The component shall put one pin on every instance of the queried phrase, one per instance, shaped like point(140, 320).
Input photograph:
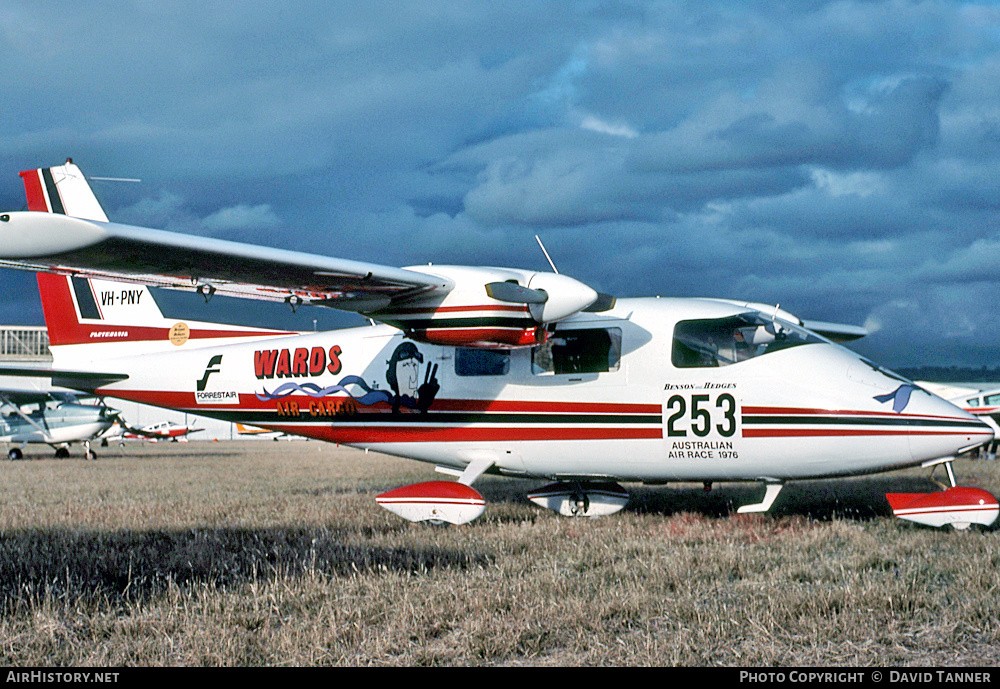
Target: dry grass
point(263, 553)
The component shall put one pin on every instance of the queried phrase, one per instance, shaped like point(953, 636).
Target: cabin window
point(593, 350)
point(481, 362)
point(974, 402)
point(991, 400)
point(713, 342)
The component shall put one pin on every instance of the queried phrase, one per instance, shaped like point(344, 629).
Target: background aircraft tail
point(62, 189)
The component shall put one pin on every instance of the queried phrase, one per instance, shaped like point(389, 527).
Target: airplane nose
point(941, 429)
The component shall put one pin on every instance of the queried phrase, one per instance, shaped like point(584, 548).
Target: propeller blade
point(514, 293)
point(605, 302)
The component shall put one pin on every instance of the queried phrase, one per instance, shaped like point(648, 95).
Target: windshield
point(713, 342)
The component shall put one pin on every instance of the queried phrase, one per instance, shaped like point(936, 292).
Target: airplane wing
point(20, 396)
point(65, 231)
point(61, 378)
point(55, 243)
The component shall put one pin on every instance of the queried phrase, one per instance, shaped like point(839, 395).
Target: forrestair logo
point(203, 396)
point(212, 367)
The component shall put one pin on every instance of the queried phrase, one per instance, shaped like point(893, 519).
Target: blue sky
point(839, 158)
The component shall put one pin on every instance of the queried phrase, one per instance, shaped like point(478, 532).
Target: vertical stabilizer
point(62, 189)
point(92, 320)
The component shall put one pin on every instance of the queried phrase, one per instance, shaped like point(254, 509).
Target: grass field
point(275, 553)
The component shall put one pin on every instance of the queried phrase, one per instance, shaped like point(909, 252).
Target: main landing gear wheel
point(581, 499)
point(15, 454)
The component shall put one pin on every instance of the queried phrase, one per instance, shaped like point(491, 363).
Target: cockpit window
point(713, 342)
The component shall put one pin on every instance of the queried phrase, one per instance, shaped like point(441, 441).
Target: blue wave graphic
point(370, 397)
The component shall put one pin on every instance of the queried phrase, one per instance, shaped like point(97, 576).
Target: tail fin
point(79, 311)
point(91, 320)
point(62, 189)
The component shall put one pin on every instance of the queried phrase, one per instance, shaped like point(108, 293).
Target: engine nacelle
point(490, 307)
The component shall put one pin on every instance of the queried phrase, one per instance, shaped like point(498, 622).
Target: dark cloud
point(838, 157)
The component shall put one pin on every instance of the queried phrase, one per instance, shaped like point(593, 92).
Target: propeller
point(512, 292)
point(605, 302)
point(550, 296)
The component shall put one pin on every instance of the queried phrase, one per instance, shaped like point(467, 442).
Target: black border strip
point(859, 421)
point(55, 201)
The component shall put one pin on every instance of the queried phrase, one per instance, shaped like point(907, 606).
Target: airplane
point(57, 420)
point(257, 432)
point(155, 432)
point(480, 370)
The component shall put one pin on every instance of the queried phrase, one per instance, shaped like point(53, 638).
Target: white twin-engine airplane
point(475, 370)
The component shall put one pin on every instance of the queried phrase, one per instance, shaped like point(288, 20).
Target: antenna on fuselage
point(547, 257)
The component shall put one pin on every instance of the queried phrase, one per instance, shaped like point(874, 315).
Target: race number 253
point(700, 415)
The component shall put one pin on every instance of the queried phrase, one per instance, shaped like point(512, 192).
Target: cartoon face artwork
point(407, 375)
point(403, 377)
point(404, 373)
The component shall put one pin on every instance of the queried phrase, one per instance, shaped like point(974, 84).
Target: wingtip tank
point(959, 506)
point(434, 502)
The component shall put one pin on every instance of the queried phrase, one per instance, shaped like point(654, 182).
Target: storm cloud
point(839, 158)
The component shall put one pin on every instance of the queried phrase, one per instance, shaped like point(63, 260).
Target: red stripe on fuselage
point(435, 434)
point(419, 428)
point(250, 402)
point(414, 311)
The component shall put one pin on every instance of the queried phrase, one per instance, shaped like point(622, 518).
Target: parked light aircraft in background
point(154, 432)
point(478, 369)
point(57, 420)
point(258, 432)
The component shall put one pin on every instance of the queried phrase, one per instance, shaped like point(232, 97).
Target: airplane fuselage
point(63, 424)
point(654, 390)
